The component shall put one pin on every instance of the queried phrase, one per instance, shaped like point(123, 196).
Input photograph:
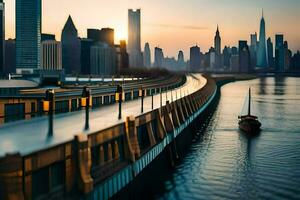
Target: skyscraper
point(147, 55)
point(10, 56)
point(70, 48)
point(180, 61)
point(134, 38)
point(218, 57)
point(218, 42)
point(262, 60)
point(85, 55)
point(2, 36)
point(279, 53)
point(51, 55)
point(253, 50)
point(158, 57)
point(195, 58)
point(270, 52)
point(244, 57)
point(28, 35)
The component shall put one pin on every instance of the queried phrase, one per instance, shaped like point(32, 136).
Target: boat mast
point(249, 103)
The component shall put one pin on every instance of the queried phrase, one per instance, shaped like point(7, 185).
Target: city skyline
point(279, 18)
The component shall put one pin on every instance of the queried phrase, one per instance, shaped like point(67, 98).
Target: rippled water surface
point(226, 164)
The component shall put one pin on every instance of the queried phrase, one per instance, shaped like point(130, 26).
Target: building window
point(14, 112)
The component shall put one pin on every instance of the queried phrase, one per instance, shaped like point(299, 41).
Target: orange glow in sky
point(173, 24)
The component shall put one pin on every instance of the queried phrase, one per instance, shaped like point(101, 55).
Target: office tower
point(28, 35)
point(10, 56)
point(170, 63)
point(226, 57)
point(234, 63)
point(124, 55)
point(244, 57)
point(103, 59)
point(85, 55)
point(107, 35)
point(234, 51)
point(158, 57)
point(296, 62)
point(262, 60)
point(147, 55)
point(2, 36)
point(70, 44)
point(217, 47)
point(47, 36)
point(279, 52)
point(287, 56)
point(134, 38)
point(270, 52)
point(195, 59)
point(253, 50)
point(180, 61)
point(218, 42)
point(94, 34)
point(51, 55)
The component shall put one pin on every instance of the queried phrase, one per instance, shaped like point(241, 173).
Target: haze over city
point(173, 24)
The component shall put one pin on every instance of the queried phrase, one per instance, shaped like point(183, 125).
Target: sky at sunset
point(173, 24)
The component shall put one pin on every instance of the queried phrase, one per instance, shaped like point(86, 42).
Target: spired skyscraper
point(218, 57)
point(70, 45)
point(262, 59)
point(134, 38)
point(147, 55)
point(28, 35)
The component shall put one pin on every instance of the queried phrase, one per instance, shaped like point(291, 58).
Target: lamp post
point(142, 94)
point(119, 98)
point(85, 102)
point(48, 107)
point(160, 94)
point(166, 94)
point(152, 98)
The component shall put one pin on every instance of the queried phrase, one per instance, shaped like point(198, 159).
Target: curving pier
point(100, 162)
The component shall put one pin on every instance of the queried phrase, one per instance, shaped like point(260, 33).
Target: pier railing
point(80, 165)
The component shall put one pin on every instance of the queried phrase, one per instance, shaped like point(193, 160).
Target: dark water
point(226, 164)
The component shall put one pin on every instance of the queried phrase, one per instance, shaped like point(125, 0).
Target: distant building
point(70, 48)
point(103, 60)
point(287, 56)
point(107, 35)
point(234, 51)
point(158, 57)
point(2, 36)
point(217, 47)
point(226, 57)
point(195, 58)
point(296, 62)
point(124, 55)
point(28, 35)
point(253, 50)
point(94, 35)
point(51, 55)
point(10, 56)
point(181, 65)
point(85, 55)
point(170, 63)
point(212, 60)
point(270, 52)
point(47, 36)
point(134, 38)
point(244, 57)
point(147, 55)
point(262, 59)
point(279, 53)
point(234, 63)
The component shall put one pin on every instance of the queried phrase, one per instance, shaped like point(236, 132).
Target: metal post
point(160, 98)
point(171, 95)
point(152, 99)
point(50, 131)
point(87, 114)
point(142, 106)
point(166, 94)
point(120, 107)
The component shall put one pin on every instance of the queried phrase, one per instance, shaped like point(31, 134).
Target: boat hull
point(250, 126)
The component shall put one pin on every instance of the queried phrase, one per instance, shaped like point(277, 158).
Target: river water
point(224, 163)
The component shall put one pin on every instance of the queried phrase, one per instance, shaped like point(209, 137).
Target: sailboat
point(249, 123)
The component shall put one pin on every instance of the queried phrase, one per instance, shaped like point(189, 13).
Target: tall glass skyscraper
point(262, 60)
point(2, 35)
point(134, 38)
point(28, 35)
